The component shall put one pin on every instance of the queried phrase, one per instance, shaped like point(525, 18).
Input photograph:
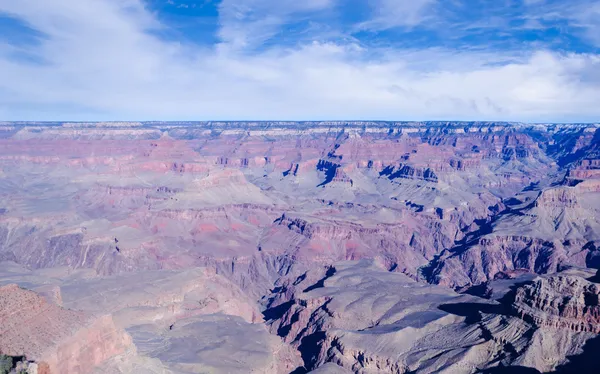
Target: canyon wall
point(196, 225)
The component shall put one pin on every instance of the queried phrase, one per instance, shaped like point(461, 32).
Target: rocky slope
point(367, 320)
point(164, 313)
point(542, 228)
point(173, 229)
point(58, 340)
point(560, 301)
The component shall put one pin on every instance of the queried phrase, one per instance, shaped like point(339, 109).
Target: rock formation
point(351, 239)
point(63, 341)
point(366, 320)
point(560, 301)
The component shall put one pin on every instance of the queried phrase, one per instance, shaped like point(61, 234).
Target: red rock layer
point(63, 341)
point(560, 301)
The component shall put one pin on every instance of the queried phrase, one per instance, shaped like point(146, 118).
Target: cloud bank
point(106, 60)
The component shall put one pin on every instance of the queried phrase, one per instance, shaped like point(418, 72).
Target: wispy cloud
point(250, 22)
point(586, 15)
point(389, 14)
point(102, 59)
point(577, 18)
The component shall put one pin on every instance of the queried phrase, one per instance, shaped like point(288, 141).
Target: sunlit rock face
point(60, 340)
point(560, 301)
point(167, 230)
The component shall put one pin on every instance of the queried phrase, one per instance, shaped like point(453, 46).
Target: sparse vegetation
point(13, 365)
point(6, 364)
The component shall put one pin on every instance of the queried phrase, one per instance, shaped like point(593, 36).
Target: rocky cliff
point(63, 341)
point(560, 301)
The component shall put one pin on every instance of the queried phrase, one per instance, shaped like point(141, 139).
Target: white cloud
point(582, 17)
point(101, 62)
point(586, 15)
point(250, 22)
point(388, 14)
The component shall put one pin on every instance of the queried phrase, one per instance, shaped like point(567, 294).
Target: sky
point(506, 60)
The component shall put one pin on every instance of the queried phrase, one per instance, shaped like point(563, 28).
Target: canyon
point(296, 247)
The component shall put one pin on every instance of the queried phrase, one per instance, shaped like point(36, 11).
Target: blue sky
point(518, 60)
